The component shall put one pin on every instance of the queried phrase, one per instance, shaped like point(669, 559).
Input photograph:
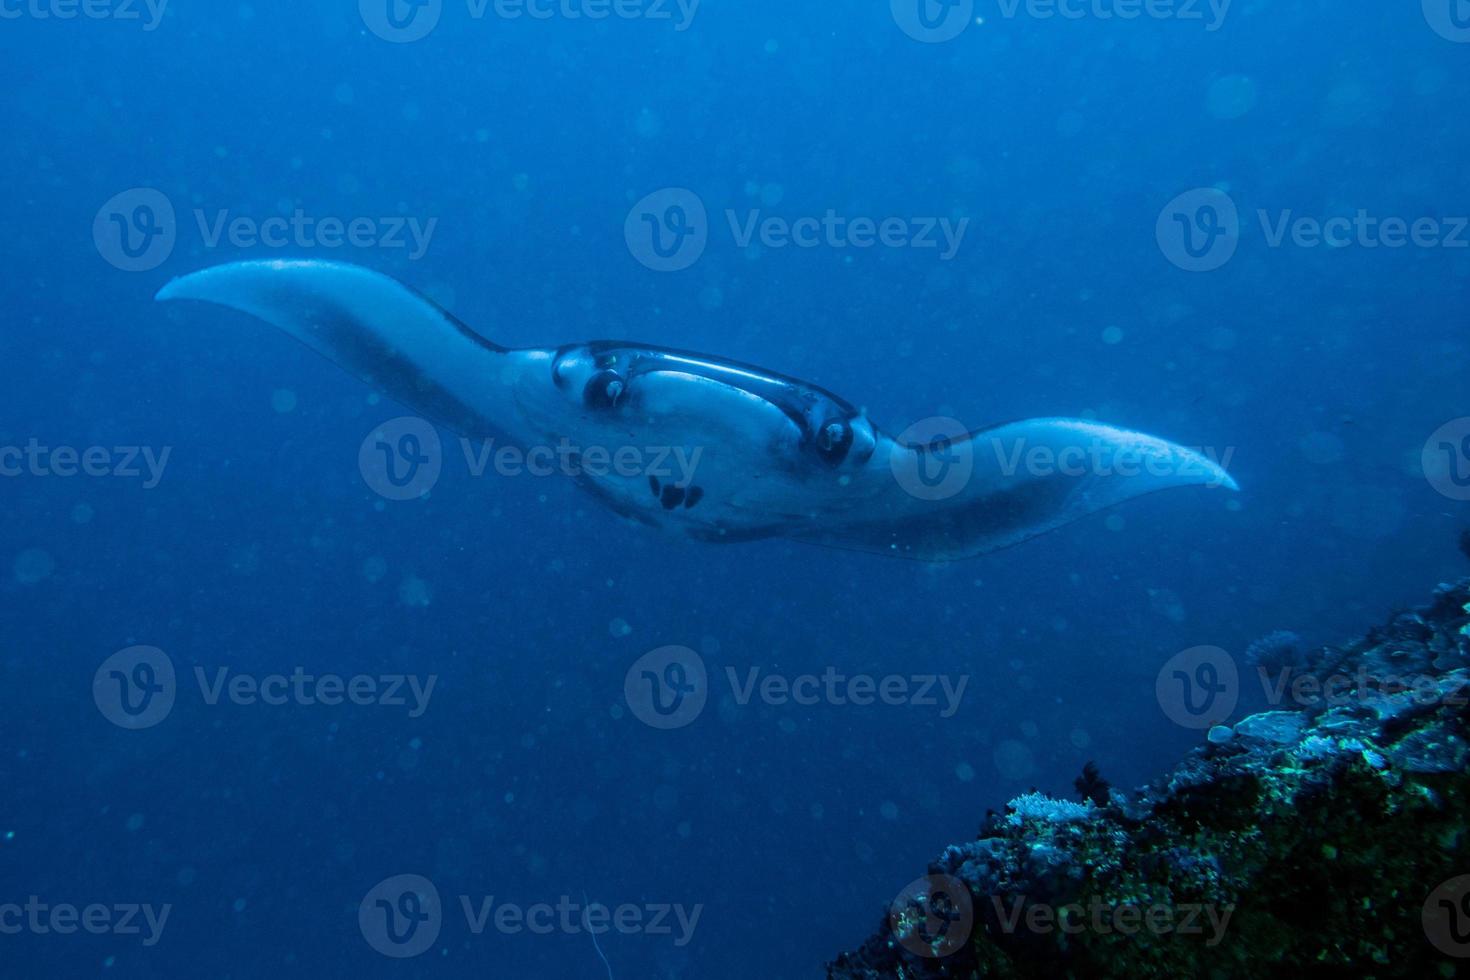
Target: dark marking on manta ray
point(671, 497)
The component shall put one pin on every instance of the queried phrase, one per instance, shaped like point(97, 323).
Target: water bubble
point(34, 565)
point(1232, 97)
point(82, 514)
point(964, 772)
point(1112, 335)
point(1014, 760)
point(414, 591)
point(619, 628)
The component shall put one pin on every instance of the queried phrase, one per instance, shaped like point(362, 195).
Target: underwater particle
point(283, 400)
point(684, 829)
point(964, 772)
point(619, 628)
point(186, 876)
point(787, 726)
point(1014, 760)
point(82, 514)
point(1232, 97)
point(482, 136)
point(1322, 448)
point(771, 46)
point(521, 181)
point(374, 569)
point(414, 591)
point(665, 797)
point(1070, 123)
point(1222, 339)
point(1115, 522)
point(648, 123)
point(1079, 738)
point(34, 565)
point(772, 195)
point(343, 94)
point(889, 810)
point(711, 298)
point(1112, 335)
point(239, 905)
point(135, 822)
point(1030, 729)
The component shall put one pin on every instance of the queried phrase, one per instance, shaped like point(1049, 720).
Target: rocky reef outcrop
point(1326, 839)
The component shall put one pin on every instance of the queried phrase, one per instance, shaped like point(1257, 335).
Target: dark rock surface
point(1324, 840)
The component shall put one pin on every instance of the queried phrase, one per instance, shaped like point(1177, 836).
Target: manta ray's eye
point(833, 440)
point(605, 390)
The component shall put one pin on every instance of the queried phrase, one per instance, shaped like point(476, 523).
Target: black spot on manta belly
point(671, 497)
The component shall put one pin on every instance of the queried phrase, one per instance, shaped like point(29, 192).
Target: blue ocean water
point(1131, 203)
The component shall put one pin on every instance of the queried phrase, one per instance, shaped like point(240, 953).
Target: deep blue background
point(1326, 370)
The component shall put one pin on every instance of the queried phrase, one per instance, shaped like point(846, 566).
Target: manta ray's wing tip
point(207, 284)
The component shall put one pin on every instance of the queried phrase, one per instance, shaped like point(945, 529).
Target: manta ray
point(777, 457)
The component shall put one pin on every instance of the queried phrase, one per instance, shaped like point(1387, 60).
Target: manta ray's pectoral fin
point(379, 330)
point(992, 489)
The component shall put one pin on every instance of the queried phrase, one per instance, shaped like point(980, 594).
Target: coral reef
point(1325, 840)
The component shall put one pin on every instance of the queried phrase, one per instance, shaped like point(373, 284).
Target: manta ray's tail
point(377, 328)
